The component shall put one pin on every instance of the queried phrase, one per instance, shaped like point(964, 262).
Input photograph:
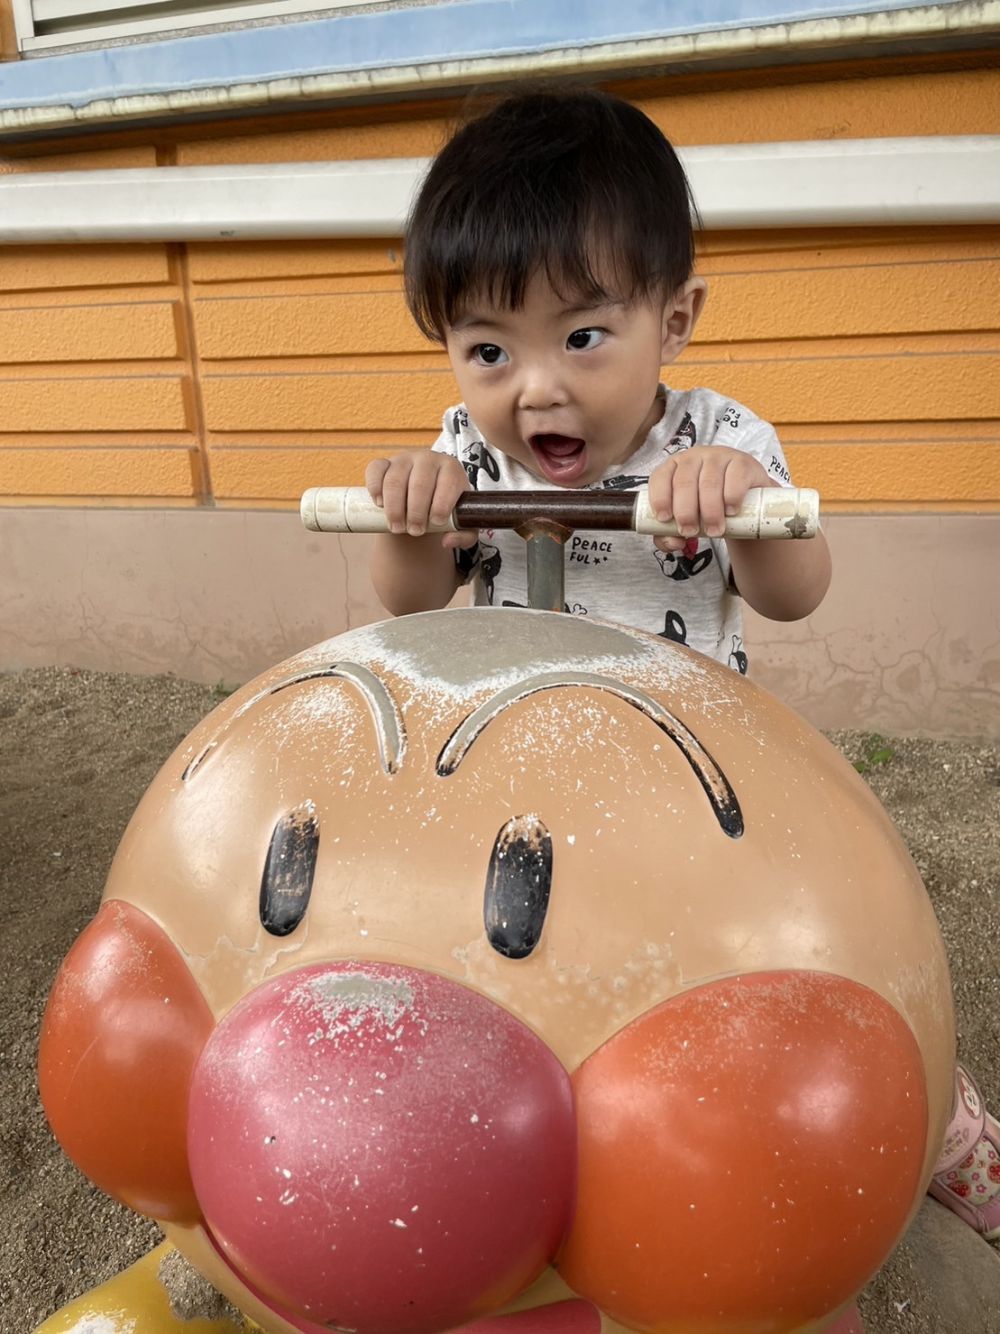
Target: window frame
point(34, 34)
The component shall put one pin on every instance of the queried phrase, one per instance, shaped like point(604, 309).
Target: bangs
point(496, 263)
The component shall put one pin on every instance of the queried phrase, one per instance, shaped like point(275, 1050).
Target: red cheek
point(749, 1153)
point(122, 1030)
point(380, 1149)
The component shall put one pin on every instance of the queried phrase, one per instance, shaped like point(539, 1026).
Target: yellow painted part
point(284, 473)
point(898, 473)
point(407, 131)
point(782, 248)
point(84, 159)
point(96, 472)
point(50, 269)
point(8, 38)
point(739, 107)
point(836, 302)
point(870, 388)
point(238, 374)
point(113, 332)
point(260, 260)
point(296, 326)
point(134, 1303)
point(777, 108)
point(128, 403)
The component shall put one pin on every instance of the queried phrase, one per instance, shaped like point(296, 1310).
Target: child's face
point(567, 388)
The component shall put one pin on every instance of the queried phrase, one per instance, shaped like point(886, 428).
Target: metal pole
point(546, 569)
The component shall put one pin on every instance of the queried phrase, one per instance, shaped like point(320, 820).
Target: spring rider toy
point(502, 971)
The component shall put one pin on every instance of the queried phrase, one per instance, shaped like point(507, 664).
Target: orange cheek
point(749, 1152)
point(122, 1031)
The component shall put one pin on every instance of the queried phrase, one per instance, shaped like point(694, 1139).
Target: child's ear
point(680, 315)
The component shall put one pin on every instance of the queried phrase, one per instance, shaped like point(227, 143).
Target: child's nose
point(542, 387)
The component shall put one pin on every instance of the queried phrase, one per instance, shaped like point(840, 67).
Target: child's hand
point(699, 488)
point(419, 486)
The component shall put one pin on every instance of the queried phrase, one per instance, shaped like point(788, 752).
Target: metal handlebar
point(766, 512)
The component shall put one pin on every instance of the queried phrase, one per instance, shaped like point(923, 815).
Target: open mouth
point(561, 458)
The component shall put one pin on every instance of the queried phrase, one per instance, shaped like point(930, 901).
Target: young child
point(550, 250)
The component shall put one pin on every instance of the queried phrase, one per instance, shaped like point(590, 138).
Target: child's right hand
point(418, 486)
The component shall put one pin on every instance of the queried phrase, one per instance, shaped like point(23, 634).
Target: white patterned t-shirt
point(621, 576)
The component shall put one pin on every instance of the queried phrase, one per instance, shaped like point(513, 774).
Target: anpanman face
point(493, 962)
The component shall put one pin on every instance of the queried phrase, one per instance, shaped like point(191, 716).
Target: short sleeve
point(449, 441)
point(739, 428)
point(454, 421)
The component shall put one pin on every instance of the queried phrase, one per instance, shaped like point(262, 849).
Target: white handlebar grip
point(349, 509)
point(766, 512)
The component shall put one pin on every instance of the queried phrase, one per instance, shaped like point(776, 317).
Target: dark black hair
point(579, 185)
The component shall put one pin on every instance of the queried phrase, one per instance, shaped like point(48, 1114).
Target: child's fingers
point(374, 474)
point(421, 484)
point(395, 492)
point(661, 488)
point(450, 483)
point(734, 490)
point(741, 475)
point(461, 539)
point(671, 544)
point(711, 496)
point(686, 495)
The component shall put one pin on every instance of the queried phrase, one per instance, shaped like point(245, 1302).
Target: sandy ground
point(78, 749)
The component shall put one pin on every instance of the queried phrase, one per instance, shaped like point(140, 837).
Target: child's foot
point(967, 1173)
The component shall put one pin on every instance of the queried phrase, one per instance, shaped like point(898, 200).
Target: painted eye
point(582, 340)
point(488, 354)
point(517, 886)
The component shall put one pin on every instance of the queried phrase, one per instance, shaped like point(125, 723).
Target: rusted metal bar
point(546, 567)
point(571, 509)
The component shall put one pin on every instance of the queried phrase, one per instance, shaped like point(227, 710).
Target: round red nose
point(381, 1150)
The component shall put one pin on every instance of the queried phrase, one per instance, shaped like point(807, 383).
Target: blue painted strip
point(460, 30)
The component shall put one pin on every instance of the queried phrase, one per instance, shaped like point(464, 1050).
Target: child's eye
point(488, 354)
point(580, 340)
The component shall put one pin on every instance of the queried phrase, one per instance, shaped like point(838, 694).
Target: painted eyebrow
point(384, 710)
point(714, 782)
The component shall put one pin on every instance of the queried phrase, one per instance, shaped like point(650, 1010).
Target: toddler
point(550, 250)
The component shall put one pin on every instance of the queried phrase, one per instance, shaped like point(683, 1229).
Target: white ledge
point(846, 183)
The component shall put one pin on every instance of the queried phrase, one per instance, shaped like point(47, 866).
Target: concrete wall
point(908, 639)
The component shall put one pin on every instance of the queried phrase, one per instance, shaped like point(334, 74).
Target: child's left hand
point(699, 488)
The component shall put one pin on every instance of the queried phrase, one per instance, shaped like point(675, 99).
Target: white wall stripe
point(845, 183)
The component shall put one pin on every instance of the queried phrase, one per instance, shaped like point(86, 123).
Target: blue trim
point(459, 30)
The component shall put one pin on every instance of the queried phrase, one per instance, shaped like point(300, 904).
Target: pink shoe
point(969, 1163)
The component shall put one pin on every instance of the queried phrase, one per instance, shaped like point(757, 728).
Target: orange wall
point(8, 38)
point(240, 374)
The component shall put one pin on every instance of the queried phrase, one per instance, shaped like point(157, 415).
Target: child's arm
point(412, 570)
point(781, 580)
